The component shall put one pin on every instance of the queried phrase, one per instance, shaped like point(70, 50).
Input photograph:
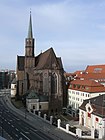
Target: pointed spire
point(30, 35)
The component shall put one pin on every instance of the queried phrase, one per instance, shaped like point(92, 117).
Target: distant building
point(80, 90)
point(93, 72)
point(92, 113)
point(6, 77)
point(43, 73)
point(13, 88)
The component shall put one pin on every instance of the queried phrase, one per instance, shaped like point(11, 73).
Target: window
point(54, 83)
point(77, 93)
point(83, 87)
point(97, 70)
point(33, 107)
point(87, 88)
point(97, 119)
point(73, 92)
point(69, 91)
point(89, 115)
point(78, 86)
point(74, 86)
point(73, 98)
point(39, 106)
point(69, 102)
point(70, 86)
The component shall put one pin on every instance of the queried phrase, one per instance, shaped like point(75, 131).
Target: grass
point(18, 104)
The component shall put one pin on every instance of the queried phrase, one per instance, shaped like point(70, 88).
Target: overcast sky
point(74, 28)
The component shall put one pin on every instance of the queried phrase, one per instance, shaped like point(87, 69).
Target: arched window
point(53, 83)
point(28, 82)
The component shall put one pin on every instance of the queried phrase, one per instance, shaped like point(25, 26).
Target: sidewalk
point(40, 124)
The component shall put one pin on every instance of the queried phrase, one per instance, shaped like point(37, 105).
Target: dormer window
point(78, 86)
point(74, 86)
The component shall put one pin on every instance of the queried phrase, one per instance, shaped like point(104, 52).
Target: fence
point(77, 132)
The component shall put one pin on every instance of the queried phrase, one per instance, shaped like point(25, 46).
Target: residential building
point(80, 90)
point(93, 72)
point(92, 113)
point(43, 73)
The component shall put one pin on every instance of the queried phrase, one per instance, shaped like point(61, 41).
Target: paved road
point(32, 128)
point(17, 128)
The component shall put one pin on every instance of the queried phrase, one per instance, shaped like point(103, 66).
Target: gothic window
point(54, 83)
point(28, 82)
point(22, 88)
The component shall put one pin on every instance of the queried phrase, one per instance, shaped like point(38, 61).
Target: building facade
point(42, 73)
point(80, 90)
point(36, 102)
point(6, 77)
point(13, 88)
point(92, 114)
point(92, 72)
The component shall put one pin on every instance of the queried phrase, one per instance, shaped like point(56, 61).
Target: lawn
point(17, 103)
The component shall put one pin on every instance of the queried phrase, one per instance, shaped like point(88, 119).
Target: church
point(43, 73)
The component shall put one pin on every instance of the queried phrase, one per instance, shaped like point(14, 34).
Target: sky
point(74, 28)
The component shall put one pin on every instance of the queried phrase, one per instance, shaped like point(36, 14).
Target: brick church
point(43, 73)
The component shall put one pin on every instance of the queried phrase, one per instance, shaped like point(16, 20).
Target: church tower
point(29, 47)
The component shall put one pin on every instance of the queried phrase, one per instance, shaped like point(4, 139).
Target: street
point(25, 126)
point(17, 128)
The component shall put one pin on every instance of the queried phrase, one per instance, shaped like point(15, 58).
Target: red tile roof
point(95, 69)
point(86, 86)
point(92, 76)
point(68, 74)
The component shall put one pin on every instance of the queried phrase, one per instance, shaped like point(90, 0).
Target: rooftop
point(90, 86)
point(97, 103)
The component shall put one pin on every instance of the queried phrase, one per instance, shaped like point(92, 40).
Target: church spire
point(30, 34)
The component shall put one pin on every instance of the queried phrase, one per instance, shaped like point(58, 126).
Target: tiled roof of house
point(98, 105)
point(92, 76)
point(86, 86)
point(78, 72)
point(95, 69)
